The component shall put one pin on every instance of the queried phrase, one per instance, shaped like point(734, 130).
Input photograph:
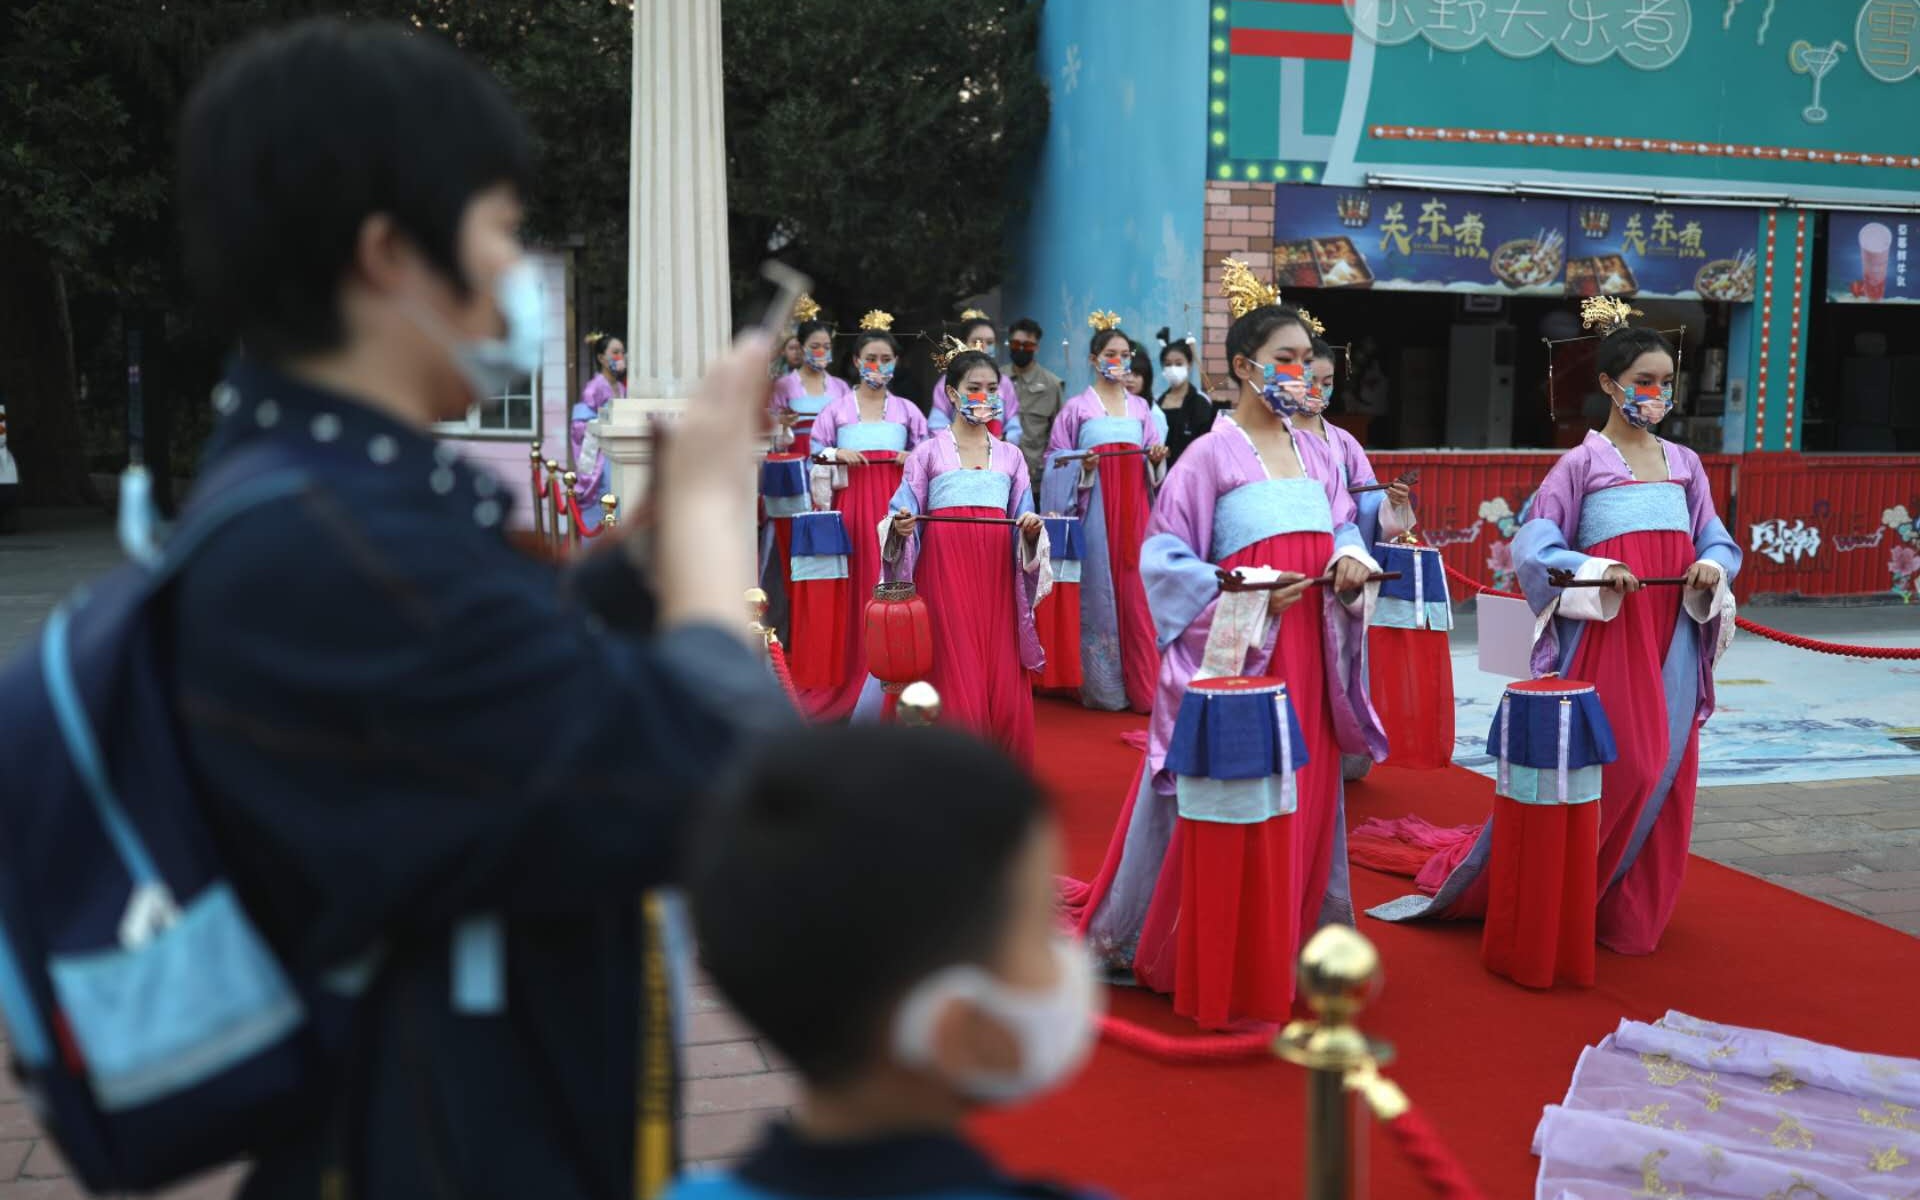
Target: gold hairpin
point(595, 336)
point(1606, 313)
point(876, 321)
point(1312, 322)
point(950, 350)
point(806, 308)
point(974, 314)
point(1103, 321)
point(1243, 291)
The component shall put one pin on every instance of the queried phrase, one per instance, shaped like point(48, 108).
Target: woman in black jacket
point(1188, 411)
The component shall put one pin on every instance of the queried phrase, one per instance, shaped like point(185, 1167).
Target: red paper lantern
point(899, 635)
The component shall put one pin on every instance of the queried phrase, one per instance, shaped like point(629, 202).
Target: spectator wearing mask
point(906, 958)
point(367, 677)
point(1187, 410)
point(1041, 392)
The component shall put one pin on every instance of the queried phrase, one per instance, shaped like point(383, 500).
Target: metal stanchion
point(919, 704)
point(610, 506)
point(539, 495)
point(1339, 975)
point(566, 511)
point(556, 536)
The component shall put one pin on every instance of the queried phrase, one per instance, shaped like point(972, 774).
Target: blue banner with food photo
point(1661, 251)
point(1394, 238)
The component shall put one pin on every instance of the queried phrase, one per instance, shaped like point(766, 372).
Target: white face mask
point(1054, 1029)
point(1175, 374)
point(491, 365)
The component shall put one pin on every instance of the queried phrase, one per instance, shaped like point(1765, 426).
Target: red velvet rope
point(573, 506)
point(1438, 1168)
point(1221, 1047)
point(777, 659)
point(1839, 649)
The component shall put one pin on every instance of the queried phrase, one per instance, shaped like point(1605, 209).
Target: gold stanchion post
point(566, 516)
point(610, 506)
point(1339, 975)
point(539, 506)
point(919, 704)
point(555, 535)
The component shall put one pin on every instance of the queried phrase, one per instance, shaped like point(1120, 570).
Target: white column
point(679, 307)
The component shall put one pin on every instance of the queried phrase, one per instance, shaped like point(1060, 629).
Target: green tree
point(881, 148)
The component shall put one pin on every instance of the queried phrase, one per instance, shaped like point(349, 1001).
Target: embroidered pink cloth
point(1686, 1107)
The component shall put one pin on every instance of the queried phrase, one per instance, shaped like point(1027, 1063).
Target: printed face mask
point(1284, 387)
point(1054, 1027)
point(1114, 370)
point(618, 365)
point(817, 359)
point(1319, 396)
point(979, 408)
point(1647, 405)
point(876, 375)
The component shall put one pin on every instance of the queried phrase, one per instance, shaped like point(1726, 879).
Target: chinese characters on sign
point(1649, 34)
point(1885, 32)
point(1662, 252)
point(1867, 259)
point(1392, 238)
point(1780, 540)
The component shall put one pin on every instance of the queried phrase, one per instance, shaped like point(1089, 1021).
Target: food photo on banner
point(1867, 258)
point(1661, 252)
point(1392, 238)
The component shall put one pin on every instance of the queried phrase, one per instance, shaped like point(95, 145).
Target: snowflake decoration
point(1070, 73)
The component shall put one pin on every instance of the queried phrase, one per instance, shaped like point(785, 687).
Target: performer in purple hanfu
point(1103, 460)
point(799, 397)
point(1622, 506)
point(608, 383)
point(981, 575)
point(1211, 905)
point(977, 333)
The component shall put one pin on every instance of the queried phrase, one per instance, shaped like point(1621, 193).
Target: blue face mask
point(877, 377)
point(1647, 406)
point(492, 365)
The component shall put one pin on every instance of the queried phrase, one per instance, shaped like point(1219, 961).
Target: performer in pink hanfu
point(981, 582)
point(1622, 506)
point(1212, 905)
point(799, 397)
point(860, 443)
point(1115, 456)
point(591, 478)
point(977, 333)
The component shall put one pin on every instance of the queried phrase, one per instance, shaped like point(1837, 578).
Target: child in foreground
point(891, 929)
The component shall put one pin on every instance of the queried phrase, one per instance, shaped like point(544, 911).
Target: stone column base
point(624, 423)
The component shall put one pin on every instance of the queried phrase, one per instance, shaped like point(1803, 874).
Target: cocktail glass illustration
point(1808, 59)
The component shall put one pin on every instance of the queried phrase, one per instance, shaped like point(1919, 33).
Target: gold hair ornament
point(806, 308)
point(595, 336)
point(1103, 321)
point(949, 350)
point(1242, 290)
point(876, 321)
point(974, 314)
point(1606, 313)
point(1312, 323)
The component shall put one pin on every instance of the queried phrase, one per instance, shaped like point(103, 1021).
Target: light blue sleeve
point(1179, 585)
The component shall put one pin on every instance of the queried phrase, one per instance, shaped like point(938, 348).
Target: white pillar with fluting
point(679, 307)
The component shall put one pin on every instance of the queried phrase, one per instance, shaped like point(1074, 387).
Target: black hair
point(1246, 335)
point(966, 361)
point(596, 346)
point(1182, 347)
point(1623, 347)
point(1102, 336)
point(1321, 348)
point(809, 328)
point(1026, 325)
point(297, 136)
point(866, 336)
point(1142, 366)
point(969, 324)
point(821, 895)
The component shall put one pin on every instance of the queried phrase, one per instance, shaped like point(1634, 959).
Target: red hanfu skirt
point(1541, 871)
point(1058, 620)
point(1410, 680)
point(862, 504)
point(1126, 506)
point(965, 574)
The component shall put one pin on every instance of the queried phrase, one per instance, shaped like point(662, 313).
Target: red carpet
point(1480, 1055)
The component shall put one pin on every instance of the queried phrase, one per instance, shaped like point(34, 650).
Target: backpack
point(154, 1031)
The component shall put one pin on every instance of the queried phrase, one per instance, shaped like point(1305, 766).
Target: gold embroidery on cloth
point(1714, 1100)
point(1651, 1185)
point(1663, 1071)
point(1651, 1115)
point(1799, 1190)
point(1789, 1134)
point(1782, 1082)
point(1722, 1052)
point(1888, 1160)
point(1895, 1117)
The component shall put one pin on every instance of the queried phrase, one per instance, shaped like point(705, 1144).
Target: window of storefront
point(1863, 353)
point(511, 413)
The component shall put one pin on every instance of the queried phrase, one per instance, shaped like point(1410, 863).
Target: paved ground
point(1851, 842)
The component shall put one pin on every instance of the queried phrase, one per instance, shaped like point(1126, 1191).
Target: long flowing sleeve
point(826, 427)
point(1033, 563)
point(1378, 519)
point(915, 421)
point(1545, 543)
point(1712, 608)
point(1176, 566)
point(897, 554)
point(1010, 409)
point(782, 403)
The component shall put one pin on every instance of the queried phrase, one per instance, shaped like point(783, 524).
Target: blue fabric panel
point(1111, 431)
point(970, 489)
point(1405, 614)
point(1534, 731)
point(209, 991)
point(814, 568)
point(783, 477)
point(1065, 539)
point(1634, 508)
point(1268, 508)
point(873, 435)
point(820, 533)
point(1533, 785)
point(1406, 559)
point(1235, 801)
point(1066, 570)
point(1233, 736)
point(810, 406)
point(788, 506)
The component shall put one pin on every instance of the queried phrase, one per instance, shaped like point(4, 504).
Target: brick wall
point(1239, 225)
